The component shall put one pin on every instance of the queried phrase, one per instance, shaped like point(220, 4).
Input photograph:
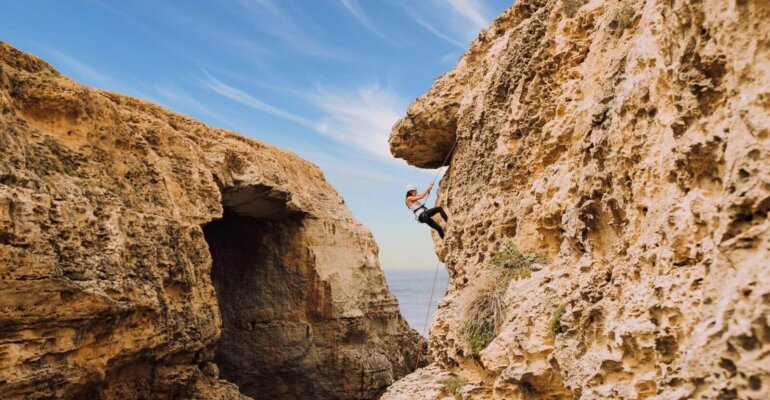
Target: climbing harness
point(438, 262)
point(418, 208)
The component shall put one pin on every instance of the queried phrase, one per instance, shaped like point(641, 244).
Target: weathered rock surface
point(628, 143)
point(108, 208)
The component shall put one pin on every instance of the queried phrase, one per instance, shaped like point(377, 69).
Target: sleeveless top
point(417, 208)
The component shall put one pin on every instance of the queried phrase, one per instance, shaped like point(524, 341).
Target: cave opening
point(263, 281)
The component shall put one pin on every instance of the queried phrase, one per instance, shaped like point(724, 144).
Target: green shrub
point(514, 264)
point(452, 384)
point(488, 311)
point(554, 324)
point(485, 319)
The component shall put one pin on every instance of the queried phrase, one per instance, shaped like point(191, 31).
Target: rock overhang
point(421, 143)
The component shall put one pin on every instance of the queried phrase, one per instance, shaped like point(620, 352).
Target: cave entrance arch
point(266, 288)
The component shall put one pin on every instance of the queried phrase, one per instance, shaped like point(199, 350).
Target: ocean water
point(412, 289)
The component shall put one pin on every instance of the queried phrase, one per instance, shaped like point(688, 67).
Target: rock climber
point(421, 213)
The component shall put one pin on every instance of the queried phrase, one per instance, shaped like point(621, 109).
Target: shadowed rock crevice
point(268, 295)
point(283, 335)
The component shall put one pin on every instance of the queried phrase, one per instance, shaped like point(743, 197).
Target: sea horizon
point(412, 288)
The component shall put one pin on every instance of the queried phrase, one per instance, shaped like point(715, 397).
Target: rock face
point(147, 255)
point(627, 143)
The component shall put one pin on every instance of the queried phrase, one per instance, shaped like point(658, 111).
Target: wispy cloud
point(341, 164)
point(355, 9)
point(449, 57)
point(425, 24)
point(83, 72)
point(473, 11)
point(248, 100)
point(289, 25)
point(360, 118)
point(366, 173)
point(456, 21)
point(179, 99)
point(141, 27)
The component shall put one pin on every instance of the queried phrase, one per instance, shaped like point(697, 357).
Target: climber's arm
point(422, 195)
point(425, 193)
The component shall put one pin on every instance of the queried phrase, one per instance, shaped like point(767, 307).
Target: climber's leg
point(424, 218)
point(437, 210)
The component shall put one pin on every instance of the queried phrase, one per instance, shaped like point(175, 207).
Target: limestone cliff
point(147, 255)
point(623, 149)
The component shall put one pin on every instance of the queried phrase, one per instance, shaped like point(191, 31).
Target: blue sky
point(323, 78)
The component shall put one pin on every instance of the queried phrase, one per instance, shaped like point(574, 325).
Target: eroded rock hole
point(267, 294)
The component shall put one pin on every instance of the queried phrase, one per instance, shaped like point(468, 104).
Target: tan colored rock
point(627, 143)
point(424, 383)
point(108, 208)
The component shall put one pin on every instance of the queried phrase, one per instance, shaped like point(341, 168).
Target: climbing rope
point(438, 262)
point(442, 165)
point(430, 302)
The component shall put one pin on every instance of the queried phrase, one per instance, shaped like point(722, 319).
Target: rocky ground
point(621, 148)
point(146, 255)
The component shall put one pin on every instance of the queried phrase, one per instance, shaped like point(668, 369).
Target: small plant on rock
point(481, 327)
point(488, 311)
point(452, 384)
point(554, 324)
point(515, 264)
